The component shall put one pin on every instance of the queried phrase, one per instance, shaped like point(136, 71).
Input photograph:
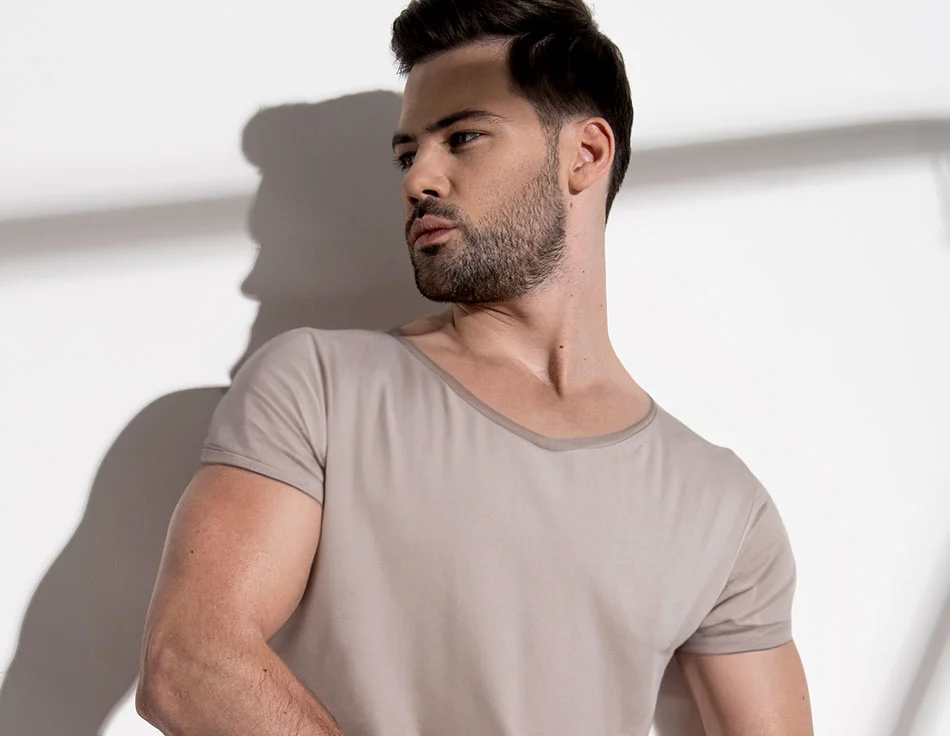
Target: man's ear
point(592, 150)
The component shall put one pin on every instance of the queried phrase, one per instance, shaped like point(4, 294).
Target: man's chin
point(449, 296)
point(441, 293)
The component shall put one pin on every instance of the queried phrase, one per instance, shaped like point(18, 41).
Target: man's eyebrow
point(449, 120)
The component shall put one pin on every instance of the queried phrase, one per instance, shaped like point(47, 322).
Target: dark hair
point(559, 60)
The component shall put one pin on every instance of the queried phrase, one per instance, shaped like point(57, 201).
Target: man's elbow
point(163, 676)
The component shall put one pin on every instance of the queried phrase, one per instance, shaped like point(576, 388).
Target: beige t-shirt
point(475, 578)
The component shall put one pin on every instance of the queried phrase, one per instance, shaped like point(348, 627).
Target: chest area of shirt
point(518, 538)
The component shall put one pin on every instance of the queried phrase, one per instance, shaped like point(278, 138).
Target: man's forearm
point(231, 688)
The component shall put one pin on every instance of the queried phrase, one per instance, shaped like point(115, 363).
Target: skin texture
point(505, 255)
point(750, 694)
point(525, 331)
point(236, 562)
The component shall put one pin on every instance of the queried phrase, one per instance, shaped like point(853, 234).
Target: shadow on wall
point(328, 221)
point(781, 157)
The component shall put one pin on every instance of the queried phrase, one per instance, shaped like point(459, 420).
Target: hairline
point(550, 124)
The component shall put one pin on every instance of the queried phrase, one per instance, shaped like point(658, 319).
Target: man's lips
point(429, 224)
point(427, 237)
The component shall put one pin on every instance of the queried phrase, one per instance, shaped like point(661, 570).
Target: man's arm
point(236, 562)
point(761, 693)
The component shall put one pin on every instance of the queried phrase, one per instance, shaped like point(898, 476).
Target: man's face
point(477, 158)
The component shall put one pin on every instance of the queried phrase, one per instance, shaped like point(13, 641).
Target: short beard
point(517, 250)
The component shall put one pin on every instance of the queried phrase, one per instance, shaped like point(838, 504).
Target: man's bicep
point(238, 553)
point(758, 693)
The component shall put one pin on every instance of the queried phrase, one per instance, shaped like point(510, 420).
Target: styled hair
point(559, 60)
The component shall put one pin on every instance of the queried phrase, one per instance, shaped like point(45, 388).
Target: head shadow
point(328, 219)
point(328, 223)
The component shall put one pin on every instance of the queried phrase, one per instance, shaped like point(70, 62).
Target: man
point(478, 523)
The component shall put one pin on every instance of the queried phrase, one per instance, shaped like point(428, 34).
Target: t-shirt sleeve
point(754, 610)
point(272, 420)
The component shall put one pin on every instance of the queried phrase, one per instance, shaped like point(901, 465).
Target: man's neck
point(557, 333)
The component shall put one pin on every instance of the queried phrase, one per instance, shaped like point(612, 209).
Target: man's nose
point(425, 178)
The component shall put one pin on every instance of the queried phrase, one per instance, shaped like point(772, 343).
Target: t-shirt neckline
point(550, 443)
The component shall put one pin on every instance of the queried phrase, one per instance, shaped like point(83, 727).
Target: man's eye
point(465, 136)
point(404, 161)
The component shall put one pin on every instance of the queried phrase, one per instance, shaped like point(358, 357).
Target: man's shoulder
point(715, 467)
point(311, 355)
point(324, 342)
point(679, 437)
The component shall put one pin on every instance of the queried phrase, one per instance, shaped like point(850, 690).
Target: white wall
point(779, 279)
